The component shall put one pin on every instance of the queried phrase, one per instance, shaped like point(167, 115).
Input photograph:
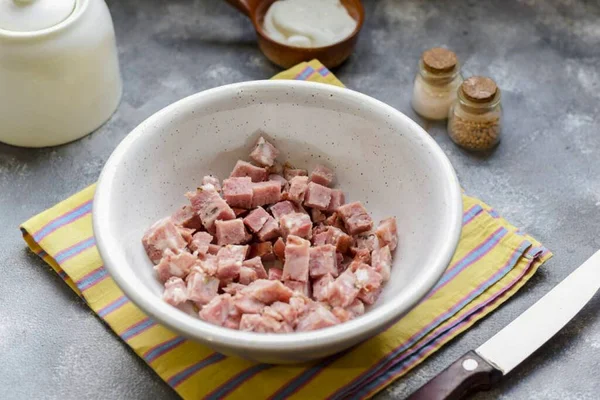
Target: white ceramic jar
point(59, 70)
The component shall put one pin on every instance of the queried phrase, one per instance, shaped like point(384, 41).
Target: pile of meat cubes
point(272, 249)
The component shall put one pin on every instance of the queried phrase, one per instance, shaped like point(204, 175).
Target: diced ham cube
point(279, 249)
point(230, 232)
point(339, 239)
point(256, 219)
point(264, 153)
point(369, 297)
point(234, 288)
point(296, 259)
point(247, 275)
point(187, 218)
point(355, 217)
point(243, 168)
point(264, 250)
point(268, 291)
point(186, 233)
point(299, 287)
point(357, 308)
point(213, 249)
point(282, 208)
point(209, 264)
point(278, 178)
point(211, 180)
point(342, 314)
point(362, 256)
point(387, 232)
point(161, 236)
point(287, 312)
point(218, 310)
point(322, 175)
point(275, 273)
point(175, 292)
point(320, 238)
point(343, 291)
point(317, 196)
point(322, 261)
point(172, 264)
point(256, 265)
point(229, 261)
point(367, 240)
point(337, 199)
point(238, 192)
point(269, 231)
point(264, 193)
point(209, 205)
point(296, 224)
point(290, 172)
point(201, 288)
point(381, 260)
point(367, 279)
point(247, 304)
point(301, 304)
point(320, 286)
point(317, 215)
point(263, 324)
point(335, 220)
point(298, 187)
point(200, 242)
point(317, 317)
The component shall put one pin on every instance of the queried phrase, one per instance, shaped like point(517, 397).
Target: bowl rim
point(381, 317)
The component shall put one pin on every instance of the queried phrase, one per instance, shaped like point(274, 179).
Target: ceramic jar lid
point(33, 15)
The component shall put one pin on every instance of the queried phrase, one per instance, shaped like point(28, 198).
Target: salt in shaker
point(436, 83)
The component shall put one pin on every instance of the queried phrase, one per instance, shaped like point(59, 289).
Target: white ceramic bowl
point(380, 156)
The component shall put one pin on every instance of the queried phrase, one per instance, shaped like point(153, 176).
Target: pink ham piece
point(339, 239)
point(335, 220)
point(275, 273)
point(387, 232)
point(299, 287)
point(247, 276)
point(278, 178)
point(367, 279)
point(322, 175)
point(207, 203)
point(263, 324)
point(317, 216)
point(322, 261)
point(317, 196)
point(355, 217)
point(381, 260)
point(369, 297)
point(269, 231)
point(290, 172)
point(362, 256)
point(230, 232)
point(264, 153)
point(229, 261)
point(243, 168)
point(211, 180)
point(201, 287)
point(186, 233)
point(233, 288)
point(282, 208)
point(175, 291)
point(337, 199)
point(175, 264)
point(320, 286)
point(296, 259)
point(296, 224)
point(357, 308)
point(268, 291)
point(343, 291)
point(317, 317)
point(279, 249)
point(247, 304)
point(161, 236)
point(366, 240)
point(298, 187)
point(283, 311)
point(213, 249)
point(209, 264)
point(187, 218)
point(264, 250)
point(200, 242)
point(256, 219)
point(218, 310)
point(256, 265)
point(238, 192)
point(264, 193)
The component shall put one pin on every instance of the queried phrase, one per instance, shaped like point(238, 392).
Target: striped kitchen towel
point(492, 262)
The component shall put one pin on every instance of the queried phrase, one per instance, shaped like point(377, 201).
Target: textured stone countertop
point(544, 176)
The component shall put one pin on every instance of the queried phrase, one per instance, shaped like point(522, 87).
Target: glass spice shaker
point(474, 120)
point(436, 82)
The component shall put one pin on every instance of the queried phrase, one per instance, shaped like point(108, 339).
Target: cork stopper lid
point(479, 89)
point(439, 60)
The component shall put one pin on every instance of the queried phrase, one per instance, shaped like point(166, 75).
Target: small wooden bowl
point(287, 56)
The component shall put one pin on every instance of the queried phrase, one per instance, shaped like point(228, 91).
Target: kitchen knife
point(479, 369)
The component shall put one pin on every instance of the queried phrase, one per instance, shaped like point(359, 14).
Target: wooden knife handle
point(468, 374)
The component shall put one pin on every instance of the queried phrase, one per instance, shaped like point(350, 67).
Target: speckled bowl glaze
point(380, 156)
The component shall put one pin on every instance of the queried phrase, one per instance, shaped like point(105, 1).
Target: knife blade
point(481, 368)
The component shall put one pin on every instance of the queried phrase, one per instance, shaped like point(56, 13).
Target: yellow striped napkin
point(493, 261)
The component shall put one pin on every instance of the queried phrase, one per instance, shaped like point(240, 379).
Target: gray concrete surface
point(544, 177)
